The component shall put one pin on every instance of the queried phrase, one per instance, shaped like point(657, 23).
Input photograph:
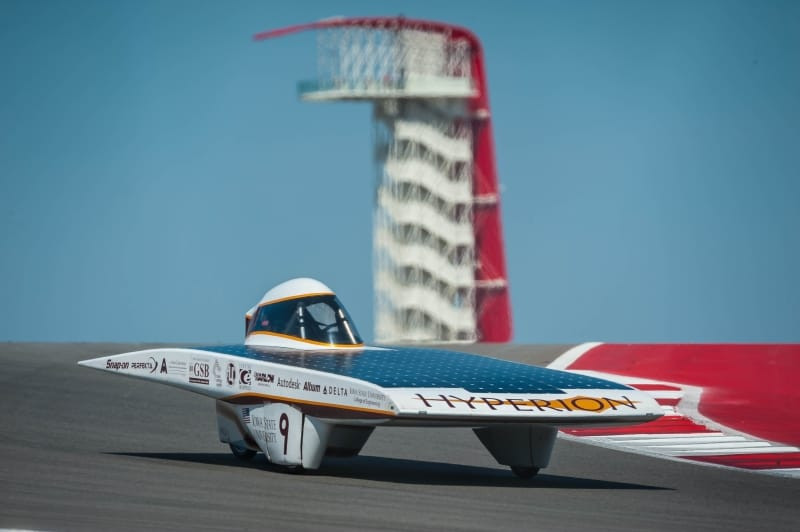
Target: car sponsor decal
point(230, 374)
point(292, 384)
point(245, 377)
point(367, 398)
point(239, 397)
point(149, 365)
point(200, 371)
point(172, 367)
point(262, 378)
point(217, 373)
point(581, 403)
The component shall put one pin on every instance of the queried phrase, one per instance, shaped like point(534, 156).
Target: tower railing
point(439, 263)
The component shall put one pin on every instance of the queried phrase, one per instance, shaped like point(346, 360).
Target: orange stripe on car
point(306, 341)
point(289, 298)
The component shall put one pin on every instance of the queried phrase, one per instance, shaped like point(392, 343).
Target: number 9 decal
point(283, 425)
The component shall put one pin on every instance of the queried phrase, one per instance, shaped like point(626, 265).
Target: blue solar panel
point(425, 368)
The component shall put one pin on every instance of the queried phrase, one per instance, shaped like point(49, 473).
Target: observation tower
point(439, 262)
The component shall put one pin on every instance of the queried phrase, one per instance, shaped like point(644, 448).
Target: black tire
point(525, 472)
point(242, 453)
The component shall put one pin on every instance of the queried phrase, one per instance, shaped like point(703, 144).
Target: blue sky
point(158, 173)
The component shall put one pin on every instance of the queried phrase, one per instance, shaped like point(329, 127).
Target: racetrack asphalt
point(85, 450)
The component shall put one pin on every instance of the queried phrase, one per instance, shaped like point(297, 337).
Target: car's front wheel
point(242, 453)
point(525, 472)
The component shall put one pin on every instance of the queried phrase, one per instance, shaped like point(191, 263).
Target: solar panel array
point(402, 367)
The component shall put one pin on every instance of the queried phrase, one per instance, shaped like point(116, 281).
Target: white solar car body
point(304, 385)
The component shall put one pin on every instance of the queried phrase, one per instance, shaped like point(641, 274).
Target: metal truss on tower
point(439, 262)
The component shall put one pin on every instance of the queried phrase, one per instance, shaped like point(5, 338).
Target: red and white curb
point(683, 433)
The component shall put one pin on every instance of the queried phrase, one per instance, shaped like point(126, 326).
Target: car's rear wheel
point(294, 470)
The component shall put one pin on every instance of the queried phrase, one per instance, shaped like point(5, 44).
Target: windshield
point(320, 318)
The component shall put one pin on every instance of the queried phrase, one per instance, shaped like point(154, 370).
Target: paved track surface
point(83, 450)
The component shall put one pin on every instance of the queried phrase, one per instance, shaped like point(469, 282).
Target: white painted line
point(684, 441)
point(659, 435)
point(713, 446)
point(722, 442)
point(573, 354)
point(742, 450)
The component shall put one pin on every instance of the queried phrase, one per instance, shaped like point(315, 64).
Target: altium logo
point(581, 403)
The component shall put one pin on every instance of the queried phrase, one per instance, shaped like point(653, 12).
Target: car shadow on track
point(218, 459)
point(398, 470)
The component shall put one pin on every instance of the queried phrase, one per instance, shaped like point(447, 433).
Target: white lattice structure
point(424, 241)
point(420, 77)
point(388, 60)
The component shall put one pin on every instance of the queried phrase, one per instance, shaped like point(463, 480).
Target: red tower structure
point(434, 281)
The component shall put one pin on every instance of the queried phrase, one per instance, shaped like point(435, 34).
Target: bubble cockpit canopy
point(301, 313)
